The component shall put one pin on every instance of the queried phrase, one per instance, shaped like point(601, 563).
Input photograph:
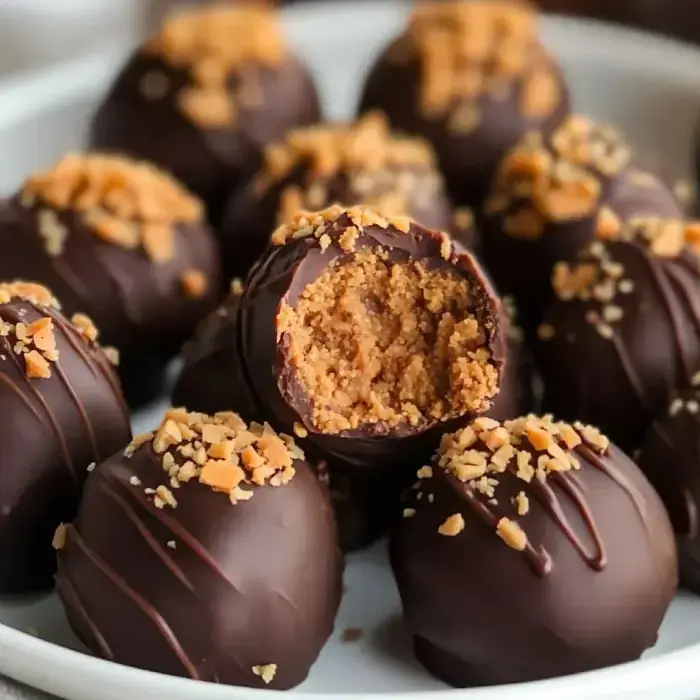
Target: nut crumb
point(266, 673)
point(452, 526)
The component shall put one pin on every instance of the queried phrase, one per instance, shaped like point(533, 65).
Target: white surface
point(651, 87)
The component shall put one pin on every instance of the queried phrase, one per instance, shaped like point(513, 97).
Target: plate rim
point(29, 91)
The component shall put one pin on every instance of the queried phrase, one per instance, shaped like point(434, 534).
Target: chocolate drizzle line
point(146, 608)
point(540, 559)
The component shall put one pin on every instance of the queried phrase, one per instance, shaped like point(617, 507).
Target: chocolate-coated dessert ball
point(624, 329)
point(531, 549)
point(553, 194)
point(317, 166)
point(472, 78)
point(670, 458)
point(365, 334)
point(207, 550)
point(205, 95)
point(62, 412)
point(126, 244)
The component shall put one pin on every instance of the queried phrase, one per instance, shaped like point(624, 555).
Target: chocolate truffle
point(206, 550)
point(552, 195)
point(472, 78)
point(531, 549)
point(317, 166)
point(205, 95)
point(368, 333)
point(670, 458)
point(62, 412)
point(126, 244)
point(624, 329)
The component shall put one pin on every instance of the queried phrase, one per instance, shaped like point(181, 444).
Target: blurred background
point(34, 33)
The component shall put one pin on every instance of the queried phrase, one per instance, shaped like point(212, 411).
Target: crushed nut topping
point(539, 183)
point(383, 170)
point(529, 448)
point(452, 526)
point(470, 50)
point(59, 537)
point(194, 284)
point(126, 203)
point(600, 279)
point(220, 451)
point(267, 672)
point(214, 45)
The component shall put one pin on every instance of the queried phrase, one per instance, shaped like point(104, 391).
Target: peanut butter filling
point(375, 341)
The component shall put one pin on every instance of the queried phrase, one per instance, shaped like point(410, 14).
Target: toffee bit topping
point(528, 448)
point(599, 279)
point(351, 634)
point(213, 45)
point(86, 327)
point(29, 292)
point(59, 537)
point(126, 203)
point(194, 284)
point(237, 287)
point(36, 342)
point(409, 512)
point(417, 359)
point(306, 224)
point(112, 355)
point(219, 451)
point(267, 672)
point(512, 534)
point(470, 50)
point(560, 180)
point(452, 526)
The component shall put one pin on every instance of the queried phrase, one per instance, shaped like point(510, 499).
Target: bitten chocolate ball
point(205, 95)
point(365, 336)
point(62, 412)
point(531, 549)
point(317, 166)
point(126, 244)
point(367, 333)
point(472, 78)
point(624, 330)
point(670, 458)
point(553, 194)
point(205, 550)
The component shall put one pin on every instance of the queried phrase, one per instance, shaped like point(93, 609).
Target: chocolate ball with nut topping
point(531, 549)
point(553, 194)
point(123, 242)
point(670, 458)
point(62, 413)
point(370, 333)
point(205, 550)
point(471, 78)
point(624, 328)
point(205, 95)
point(317, 166)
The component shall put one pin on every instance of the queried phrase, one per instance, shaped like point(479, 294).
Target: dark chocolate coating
point(670, 458)
point(469, 160)
point(51, 431)
point(621, 384)
point(214, 162)
point(250, 218)
point(250, 584)
point(523, 267)
point(483, 613)
point(282, 274)
point(138, 306)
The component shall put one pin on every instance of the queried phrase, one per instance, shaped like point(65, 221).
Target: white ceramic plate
point(651, 87)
